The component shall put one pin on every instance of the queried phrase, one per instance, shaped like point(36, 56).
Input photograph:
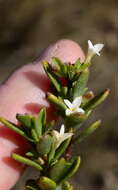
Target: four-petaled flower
point(74, 107)
point(92, 50)
point(61, 136)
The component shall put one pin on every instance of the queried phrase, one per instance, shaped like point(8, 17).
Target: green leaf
point(44, 144)
point(62, 148)
point(26, 161)
point(66, 186)
point(88, 131)
point(9, 125)
point(32, 153)
point(71, 71)
point(25, 120)
point(60, 65)
point(55, 81)
point(39, 122)
point(75, 120)
point(75, 163)
point(64, 91)
point(34, 135)
point(80, 84)
point(56, 101)
point(59, 170)
point(52, 76)
point(84, 66)
point(63, 169)
point(93, 103)
point(46, 183)
point(51, 153)
point(31, 185)
point(77, 64)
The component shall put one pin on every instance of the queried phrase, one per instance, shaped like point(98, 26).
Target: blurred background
point(27, 27)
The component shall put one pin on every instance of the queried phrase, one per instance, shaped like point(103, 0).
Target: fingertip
point(27, 81)
point(66, 50)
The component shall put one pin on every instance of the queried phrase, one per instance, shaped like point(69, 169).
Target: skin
point(24, 92)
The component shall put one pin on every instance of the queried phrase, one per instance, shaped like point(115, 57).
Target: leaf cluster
point(67, 81)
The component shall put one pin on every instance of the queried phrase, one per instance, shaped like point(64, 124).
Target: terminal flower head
point(93, 50)
point(74, 107)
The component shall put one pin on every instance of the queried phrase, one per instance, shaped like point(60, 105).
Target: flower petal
point(56, 134)
point(95, 48)
point(68, 103)
point(63, 138)
point(77, 101)
point(80, 110)
point(90, 45)
point(62, 129)
point(98, 48)
point(66, 136)
point(68, 112)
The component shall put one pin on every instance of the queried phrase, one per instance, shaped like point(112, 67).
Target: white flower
point(92, 50)
point(61, 136)
point(74, 107)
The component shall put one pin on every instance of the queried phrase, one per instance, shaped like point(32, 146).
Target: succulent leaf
point(44, 145)
point(46, 183)
point(39, 122)
point(12, 126)
point(62, 148)
point(63, 169)
point(26, 161)
point(59, 170)
point(66, 186)
point(75, 163)
point(77, 64)
point(93, 103)
point(56, 101)
point(80, 84)
point(52, 76)
point(60, 66)
point(88, 131)
point(25, 120)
